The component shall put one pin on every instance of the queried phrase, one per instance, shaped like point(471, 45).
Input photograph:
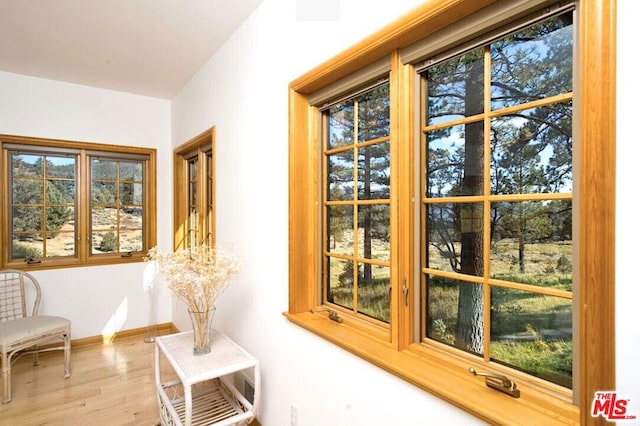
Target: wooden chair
point(20, 331)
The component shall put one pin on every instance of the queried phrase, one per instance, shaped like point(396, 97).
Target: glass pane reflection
point(531, 243)
point(455, 161)
point(373, 232)
point(455, 88)
point(340, 289)
point(340, 176)
point(455, 313)
point(373, 291)
point(533, 333)
point(454, 238)
point(532, 151)
point(340, 230)
point(532, 64)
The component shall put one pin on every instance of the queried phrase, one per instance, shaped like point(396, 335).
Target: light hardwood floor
point(110, 384)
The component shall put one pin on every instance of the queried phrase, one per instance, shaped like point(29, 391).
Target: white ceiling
point(147, 47)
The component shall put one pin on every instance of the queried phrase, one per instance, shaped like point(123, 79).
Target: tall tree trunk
point(470, 327)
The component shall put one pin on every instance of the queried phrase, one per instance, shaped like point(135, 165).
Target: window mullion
point(83, 219)
point(402, 196)
point(487, 204)
point(202, 198)
point(356, 209)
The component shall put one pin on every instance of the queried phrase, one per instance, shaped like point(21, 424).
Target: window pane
point(103, 194)
point(26, 245)
point(340, 289)
point(117, 206)
point(131, 240)
point(104, 242)
point(373, 291)
point(532, 64)
point(455, 313)
point(340, 122)
point(455, 88)
point(193, 193)
point(24, 165)
point(59, 217)
point(374, 171)
point(26, 219)
point(103, 218)
point(63, 244)
point(102, 169)
point(455, 238)
point(455, 161)
point(61, 191)
point(340, 176)
point(532, 151)
point(130, 193)
point(26, 191)
point(43, 197)
point(130, 217)
point(340, 230)
point(373, 114)
point(531, 243)
point(533, 333)
point(193, 169)
point(374, 233)
point(61, 167)
point(131, 171)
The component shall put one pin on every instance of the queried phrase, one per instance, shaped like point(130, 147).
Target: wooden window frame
point(442, 374)
point(201, 147)
point(86, 150)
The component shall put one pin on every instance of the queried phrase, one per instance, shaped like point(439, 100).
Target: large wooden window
point(500, 122)
point(496, 211)
point(194, 214)
point(71, 203)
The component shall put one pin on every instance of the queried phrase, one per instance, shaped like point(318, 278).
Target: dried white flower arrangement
point(197, 275)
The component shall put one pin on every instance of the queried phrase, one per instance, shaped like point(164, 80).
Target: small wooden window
point(75, 203)
point(194, 191)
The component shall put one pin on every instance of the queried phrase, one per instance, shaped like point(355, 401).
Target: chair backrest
point(14, 286)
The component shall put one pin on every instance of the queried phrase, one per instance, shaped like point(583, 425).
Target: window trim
point(85, 150)
point(198, 147)
point(445, 376)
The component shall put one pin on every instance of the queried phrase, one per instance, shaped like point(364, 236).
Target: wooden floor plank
point(109, 385)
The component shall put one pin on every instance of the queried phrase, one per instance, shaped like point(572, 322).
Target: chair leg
point(67, 355)
point(6, 377)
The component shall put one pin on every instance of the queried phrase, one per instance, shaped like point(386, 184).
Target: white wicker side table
point(204, 394)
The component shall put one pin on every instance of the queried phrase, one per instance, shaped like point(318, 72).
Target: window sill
point(74, 263)
point(446, 379)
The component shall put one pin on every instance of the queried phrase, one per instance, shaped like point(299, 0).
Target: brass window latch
point(499, 382)
point(333, 315)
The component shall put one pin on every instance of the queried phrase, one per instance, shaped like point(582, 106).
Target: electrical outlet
point(294, 414)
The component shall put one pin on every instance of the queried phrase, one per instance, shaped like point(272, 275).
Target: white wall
point(627, 232)
point(105, 297)
point(242, 90)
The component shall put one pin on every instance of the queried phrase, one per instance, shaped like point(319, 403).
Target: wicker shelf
point(204, 393)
